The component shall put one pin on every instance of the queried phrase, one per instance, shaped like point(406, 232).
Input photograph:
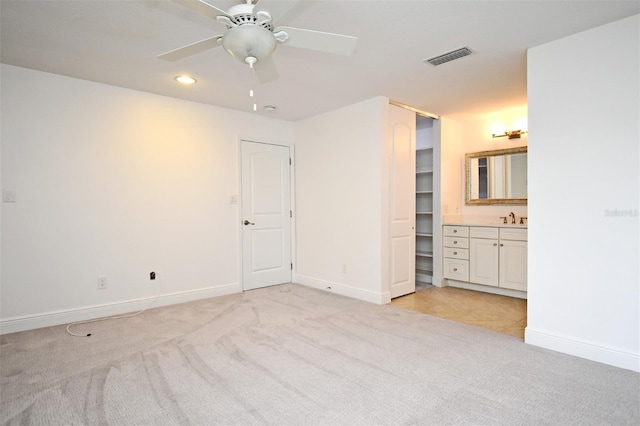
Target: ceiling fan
point(251, 37)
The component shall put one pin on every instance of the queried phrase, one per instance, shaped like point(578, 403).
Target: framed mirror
point(496, 177)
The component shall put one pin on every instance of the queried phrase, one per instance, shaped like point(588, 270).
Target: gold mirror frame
point(489, 201)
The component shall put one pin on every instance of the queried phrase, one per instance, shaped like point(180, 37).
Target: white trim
point(344, 290)
point(240, 212)
point(292, 185)
point(616, 358)
point(413, 109)
point(48, 319)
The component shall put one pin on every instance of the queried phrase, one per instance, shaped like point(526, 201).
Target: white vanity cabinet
point(494, 256)
point(456, 252)
point(484, 255)
point(513, 259)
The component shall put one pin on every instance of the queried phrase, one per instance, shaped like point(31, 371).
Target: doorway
point(502, 314)
point(266, 214)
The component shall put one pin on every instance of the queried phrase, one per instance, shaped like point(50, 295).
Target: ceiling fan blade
point(276, 8)
point(317, 40)
point(202, 8)
point(191, 49)
point(266, 70)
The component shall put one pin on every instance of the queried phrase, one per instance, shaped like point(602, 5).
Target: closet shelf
point(425, 255)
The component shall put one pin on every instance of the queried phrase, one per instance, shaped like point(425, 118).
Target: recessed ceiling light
point(185, 79)
point(269, 108)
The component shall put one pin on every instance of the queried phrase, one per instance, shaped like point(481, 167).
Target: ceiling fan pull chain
point(250, 60)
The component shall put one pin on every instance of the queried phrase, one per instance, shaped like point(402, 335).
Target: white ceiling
point(116, 42)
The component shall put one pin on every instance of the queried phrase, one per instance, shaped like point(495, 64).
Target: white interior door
point(266, 215)
point(402, 201)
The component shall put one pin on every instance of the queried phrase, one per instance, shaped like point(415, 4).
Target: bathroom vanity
point(490, 258)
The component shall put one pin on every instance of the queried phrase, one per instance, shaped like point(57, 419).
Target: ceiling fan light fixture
point(251, 35)
point(250, 60)
point(246, 41)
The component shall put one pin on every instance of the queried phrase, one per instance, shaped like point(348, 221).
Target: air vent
point(450, 56)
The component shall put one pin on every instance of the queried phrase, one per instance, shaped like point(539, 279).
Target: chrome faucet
point(513, 217)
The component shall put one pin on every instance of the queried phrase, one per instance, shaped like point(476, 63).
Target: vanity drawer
point(456, 269)
point(456, 242)
point(456, 231)
point(483, 232)
point(516, 234)
point(456, 253)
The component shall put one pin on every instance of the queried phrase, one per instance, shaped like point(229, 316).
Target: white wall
point(584, 111)
point(475, 135)
point(339, 190)
point(115, 182)
point(451, 166)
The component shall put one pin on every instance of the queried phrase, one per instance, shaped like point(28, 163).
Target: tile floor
point(507, 315)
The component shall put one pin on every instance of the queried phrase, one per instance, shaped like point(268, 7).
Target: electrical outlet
point(102, 282)
point(152, 276)
point(344, 268)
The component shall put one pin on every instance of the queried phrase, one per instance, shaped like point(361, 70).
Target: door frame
point(239, 209)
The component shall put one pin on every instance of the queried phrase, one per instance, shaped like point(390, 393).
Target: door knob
point(246, 222)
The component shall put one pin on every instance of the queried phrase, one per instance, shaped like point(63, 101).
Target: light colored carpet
point(293, 355)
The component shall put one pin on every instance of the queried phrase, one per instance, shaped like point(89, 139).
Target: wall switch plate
point(102, 282)
point(8, 195)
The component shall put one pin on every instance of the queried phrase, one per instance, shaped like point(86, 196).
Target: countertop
point(493, 225)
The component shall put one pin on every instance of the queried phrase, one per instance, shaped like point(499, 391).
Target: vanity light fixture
point(511, 134)
point(185, 79)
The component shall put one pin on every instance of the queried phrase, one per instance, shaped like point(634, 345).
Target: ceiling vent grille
point(450, 56)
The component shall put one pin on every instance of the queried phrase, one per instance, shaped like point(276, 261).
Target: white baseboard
point(487, 289)
point(344, 290)
point(48, 319)
point(580, 349)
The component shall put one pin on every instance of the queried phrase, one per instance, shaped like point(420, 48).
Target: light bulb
point(521, 124)
point(498, 129)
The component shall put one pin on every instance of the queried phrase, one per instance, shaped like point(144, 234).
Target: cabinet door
point(513, 264)
point(483, 261)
